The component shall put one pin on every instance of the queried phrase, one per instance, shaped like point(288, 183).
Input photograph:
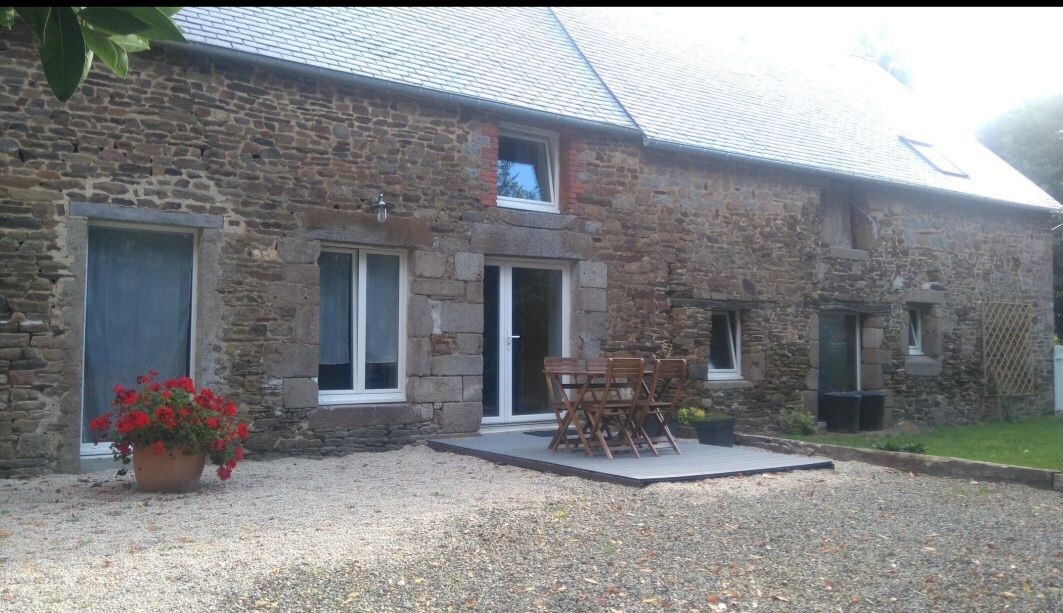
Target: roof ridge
point(594, 71)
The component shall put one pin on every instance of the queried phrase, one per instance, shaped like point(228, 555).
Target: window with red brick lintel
point(530, 168)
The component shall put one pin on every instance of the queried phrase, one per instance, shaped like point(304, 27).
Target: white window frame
point(729, 374)
point(360, 395)
point(550, 139)
point(917, 323)
point(91, 450)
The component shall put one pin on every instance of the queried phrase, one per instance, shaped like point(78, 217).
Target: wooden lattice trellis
point(1007, 349)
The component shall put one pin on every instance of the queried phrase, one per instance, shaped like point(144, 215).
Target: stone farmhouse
point(369, 225)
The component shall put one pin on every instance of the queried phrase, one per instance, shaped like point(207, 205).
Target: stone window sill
point(728, 384)
point(923, 366)
point(847, 253)
point(360, 415)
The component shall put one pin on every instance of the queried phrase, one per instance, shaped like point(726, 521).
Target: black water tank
point(872, 410)
point(841, 411)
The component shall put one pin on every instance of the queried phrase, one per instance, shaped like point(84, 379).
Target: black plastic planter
point(716, 432)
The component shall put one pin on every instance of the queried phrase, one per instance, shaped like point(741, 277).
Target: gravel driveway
point(416, 529)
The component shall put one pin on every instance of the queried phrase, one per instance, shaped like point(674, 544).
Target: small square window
point(527, 169)
point(915, 330)
point(725, 346)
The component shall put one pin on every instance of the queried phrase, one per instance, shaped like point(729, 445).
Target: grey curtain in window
point(138, 311)
point(382, 308)
point(335, 297)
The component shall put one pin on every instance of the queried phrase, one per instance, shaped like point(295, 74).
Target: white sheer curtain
point(382, 319)
point(335, 296)
point(138, 311)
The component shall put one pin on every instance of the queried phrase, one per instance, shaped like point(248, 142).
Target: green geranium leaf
point(7, 16)
point(64, 55)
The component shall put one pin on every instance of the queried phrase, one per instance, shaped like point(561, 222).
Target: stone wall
point(271, 165)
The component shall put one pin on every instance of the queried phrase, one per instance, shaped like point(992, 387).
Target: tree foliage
point(881, 48)
point(1030, 138)
point(70, 36)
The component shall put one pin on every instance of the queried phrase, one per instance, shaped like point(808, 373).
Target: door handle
point(509, 340)
point(512, 337)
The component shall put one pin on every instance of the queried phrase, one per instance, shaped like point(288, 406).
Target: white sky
point(968, 64)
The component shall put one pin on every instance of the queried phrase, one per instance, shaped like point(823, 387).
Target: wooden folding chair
point(565, 399)
point(615, 404)
point(663, 394)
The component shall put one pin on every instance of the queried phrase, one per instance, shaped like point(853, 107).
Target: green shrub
point(905, 447)
point(688, 416)
point(797, 422)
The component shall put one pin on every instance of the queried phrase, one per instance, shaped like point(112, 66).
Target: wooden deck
point(529, 450)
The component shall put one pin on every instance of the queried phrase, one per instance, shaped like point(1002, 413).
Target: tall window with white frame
point(915, 330)
point(362, 306)
point(527, 169)
point(725, 346)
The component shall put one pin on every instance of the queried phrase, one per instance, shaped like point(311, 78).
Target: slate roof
point(510, 55)
point(842, 117)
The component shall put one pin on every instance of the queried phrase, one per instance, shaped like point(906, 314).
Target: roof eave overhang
point(508, 110)
point(667, 145)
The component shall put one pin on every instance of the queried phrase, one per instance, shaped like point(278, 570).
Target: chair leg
point(649, 442)
point(630, 442)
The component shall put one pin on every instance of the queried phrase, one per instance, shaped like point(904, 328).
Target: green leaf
point(170, 11)
point(7, 16)
point(114, 20)
point(35, 18)
point(114, 56)
point(132, 43)
point(64, 55)
point(162, 27)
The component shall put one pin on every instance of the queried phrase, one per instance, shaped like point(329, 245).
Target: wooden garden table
point(567, 399)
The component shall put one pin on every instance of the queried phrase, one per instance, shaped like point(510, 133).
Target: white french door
point(526, 318)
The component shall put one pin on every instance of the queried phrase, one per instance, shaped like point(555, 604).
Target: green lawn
point(1037, 442)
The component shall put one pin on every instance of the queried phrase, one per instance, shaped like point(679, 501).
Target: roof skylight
point(934, 157)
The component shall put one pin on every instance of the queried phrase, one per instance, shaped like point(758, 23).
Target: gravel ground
point(416, 529)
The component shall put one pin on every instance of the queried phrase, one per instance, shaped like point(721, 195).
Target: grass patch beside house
point(1037, 443)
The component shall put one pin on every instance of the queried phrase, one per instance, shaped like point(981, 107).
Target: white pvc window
point(362, 326)
point(915, 330)
point(527, 169)
point(725, 346)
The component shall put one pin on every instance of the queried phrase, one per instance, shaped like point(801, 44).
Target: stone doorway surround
point(70, 301)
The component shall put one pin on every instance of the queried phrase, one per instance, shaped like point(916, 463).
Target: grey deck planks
point(696, 462)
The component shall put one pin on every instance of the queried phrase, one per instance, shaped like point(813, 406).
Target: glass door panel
point(525, 320)
point(837, 352)
point(491, 337)
point(536, 326)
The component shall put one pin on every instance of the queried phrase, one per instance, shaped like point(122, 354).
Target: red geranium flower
point(101, 423)
point(212, 422)
point(165, 415)
point(224, 472)
point(241, 430)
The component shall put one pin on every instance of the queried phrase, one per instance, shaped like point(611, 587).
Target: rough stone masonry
point(266, 165)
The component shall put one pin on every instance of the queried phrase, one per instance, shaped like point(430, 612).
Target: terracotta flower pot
point(172, 471)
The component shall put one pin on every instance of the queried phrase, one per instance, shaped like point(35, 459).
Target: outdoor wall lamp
point(381, 207)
